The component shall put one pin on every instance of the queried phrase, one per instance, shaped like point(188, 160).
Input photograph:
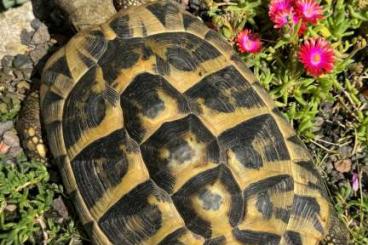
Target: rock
point(4, 148)
point(343, 166)
point(38, 53)
point(10, 208)
point(41, 35)
point(5, 126)
point(7, 61)
point(36, 23)
point(11, 138)
point(59, 205)
point(22, 61)
point(12, 24)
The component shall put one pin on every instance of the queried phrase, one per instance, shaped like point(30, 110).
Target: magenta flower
point(308, 10)
point(248, 42)
point(317, 56)
point(281, 12)
point(355, 182)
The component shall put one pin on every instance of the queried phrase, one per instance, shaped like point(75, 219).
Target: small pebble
point(38, 53)
point(11, 138)
point(59, 205)
point(41, 35)
point(4, 148)
point(22, 61)
point(23, 85)
point(343, 166)
point(5, 126)
point(7, 61)
point(10, 208)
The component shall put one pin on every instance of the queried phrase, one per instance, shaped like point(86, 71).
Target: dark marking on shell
point(188, 20)
point(161, 66)
point(141, 97)
point(283, 214)
point(184, 205)
point(79, 113)
point(264, 205)
point(216, 241)
point(159, 11)
point(162, 10)
point(170, 137)
point(120, 54)
point(118, 222)
point(86, 60)
point(293, 238)
point(248, 156)
point(193, 187)
point(256, 237)
point(50, 98)
point(101, 165)
point(95, 44)
point(277, 112)
point(121, 27)
point(225, 90)
point(261, 128)
point(274, 184)
point(210, 200)
point(308, 207)
point(181, 59)
point(295, 139)
point(59, 67)
point(173, 238)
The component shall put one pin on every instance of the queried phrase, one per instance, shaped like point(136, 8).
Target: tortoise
point(163, 136)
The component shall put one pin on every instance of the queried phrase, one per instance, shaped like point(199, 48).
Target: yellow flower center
point(316, 58)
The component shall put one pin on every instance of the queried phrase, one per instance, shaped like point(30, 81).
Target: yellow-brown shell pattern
point(163, 136)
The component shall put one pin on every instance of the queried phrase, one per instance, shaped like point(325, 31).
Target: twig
point(321, 146)
point(43, 228)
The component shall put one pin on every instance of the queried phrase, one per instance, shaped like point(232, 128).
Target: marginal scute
point(163, 136)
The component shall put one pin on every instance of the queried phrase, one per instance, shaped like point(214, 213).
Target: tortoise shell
point(163, 136)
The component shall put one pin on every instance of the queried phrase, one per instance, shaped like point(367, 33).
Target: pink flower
point(308, 10)
point(248, 42)
point(277, 6)
point(355, 182)
point(317, 56)
point(281, 12)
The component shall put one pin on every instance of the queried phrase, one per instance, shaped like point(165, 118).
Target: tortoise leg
point(29, 128)
point(337, 232)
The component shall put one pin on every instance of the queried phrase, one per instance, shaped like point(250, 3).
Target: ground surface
point(33, 207)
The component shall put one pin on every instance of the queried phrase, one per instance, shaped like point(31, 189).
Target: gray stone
point(11, 139)
point(22, 61)
point(39, 52)
point(12, 23)
point(41, 35)
point(5, 126)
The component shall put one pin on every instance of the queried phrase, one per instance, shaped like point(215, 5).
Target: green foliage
point(277, 66)
point(353, 207)
point(9, 106)
point(26, 195)
point(6, 4)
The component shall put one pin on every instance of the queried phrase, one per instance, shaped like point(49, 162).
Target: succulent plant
point(6, 4)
